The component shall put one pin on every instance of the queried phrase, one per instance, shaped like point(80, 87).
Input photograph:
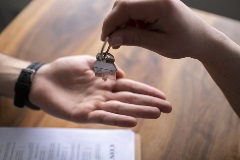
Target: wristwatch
point(23, 85)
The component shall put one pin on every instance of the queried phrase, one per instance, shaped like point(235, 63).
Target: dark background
point(229, 8)
point(9, 9)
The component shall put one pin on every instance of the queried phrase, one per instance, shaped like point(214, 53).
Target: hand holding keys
point(104, 66)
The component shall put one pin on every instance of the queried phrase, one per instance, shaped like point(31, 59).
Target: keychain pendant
point(104, 65)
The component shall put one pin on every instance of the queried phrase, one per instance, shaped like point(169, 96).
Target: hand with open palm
point(67, 88)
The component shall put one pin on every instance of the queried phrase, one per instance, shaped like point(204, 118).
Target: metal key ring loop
point(104, 44)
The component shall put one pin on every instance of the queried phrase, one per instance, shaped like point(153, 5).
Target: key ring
point(104, 65)
point(103, 54)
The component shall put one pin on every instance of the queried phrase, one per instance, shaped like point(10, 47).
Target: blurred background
point(9, 9)
point(229, 8)
point(49, 29)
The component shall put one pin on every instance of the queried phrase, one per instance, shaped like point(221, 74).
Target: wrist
point(10, 69)
point(218, 48)
point(23, 86)
point(37, 86)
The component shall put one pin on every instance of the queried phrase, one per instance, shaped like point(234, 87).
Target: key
point(104, 65)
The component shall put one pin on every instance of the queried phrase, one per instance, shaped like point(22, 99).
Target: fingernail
point(116, 41)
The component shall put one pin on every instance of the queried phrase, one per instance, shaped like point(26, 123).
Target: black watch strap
point(23, 84)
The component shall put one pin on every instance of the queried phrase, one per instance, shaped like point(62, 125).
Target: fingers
point(137, 87)
point(122, 114)
point(143, 100)
point(137, 111)
point(137, 93)
point(107, 118)
point(124, 11)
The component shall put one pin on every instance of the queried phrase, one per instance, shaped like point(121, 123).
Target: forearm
point(10, 69)
point(223, 64)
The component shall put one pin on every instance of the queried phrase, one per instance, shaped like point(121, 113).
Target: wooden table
point(202, 124)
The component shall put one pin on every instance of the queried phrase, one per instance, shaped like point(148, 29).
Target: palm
point(72, 92)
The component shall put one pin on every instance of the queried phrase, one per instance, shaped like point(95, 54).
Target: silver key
point(104, 66)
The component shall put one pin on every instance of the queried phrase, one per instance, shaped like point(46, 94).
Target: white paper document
point(66, 144)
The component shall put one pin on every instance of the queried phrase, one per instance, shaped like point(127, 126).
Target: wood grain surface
point(202, 124)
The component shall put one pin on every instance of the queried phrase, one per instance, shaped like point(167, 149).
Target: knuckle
point(117, 108)
point(121, 4)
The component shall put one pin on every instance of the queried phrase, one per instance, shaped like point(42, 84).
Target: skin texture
point(67, 88)
point(171, 29)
